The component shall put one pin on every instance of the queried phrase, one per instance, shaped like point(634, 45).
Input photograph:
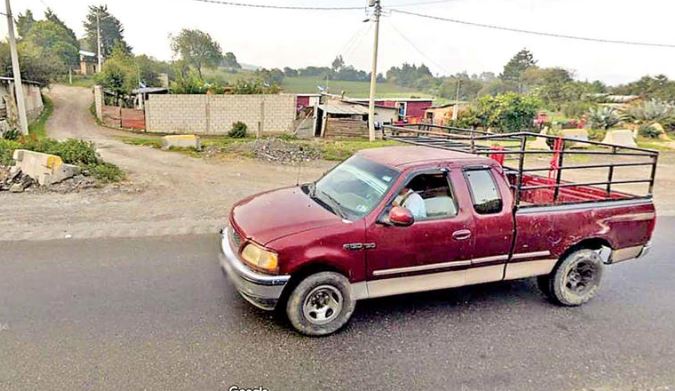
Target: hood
point(268, 216)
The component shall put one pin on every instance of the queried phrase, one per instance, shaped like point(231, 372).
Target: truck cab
point(405, 219)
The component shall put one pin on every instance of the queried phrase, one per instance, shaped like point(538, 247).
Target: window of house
point(484, 192)
point(428, 196)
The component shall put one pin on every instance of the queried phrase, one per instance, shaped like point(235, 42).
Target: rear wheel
point(575, 280)
point(320, 304)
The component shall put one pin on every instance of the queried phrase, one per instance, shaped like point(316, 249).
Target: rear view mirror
point(401, 217)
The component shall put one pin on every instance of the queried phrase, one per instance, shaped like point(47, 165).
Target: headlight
point(260, 258)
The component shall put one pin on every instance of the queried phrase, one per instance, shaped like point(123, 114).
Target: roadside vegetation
point(78, 152)
point(37, 127)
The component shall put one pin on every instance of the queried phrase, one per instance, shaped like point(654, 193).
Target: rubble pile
point(12, 179)
point(280, 151)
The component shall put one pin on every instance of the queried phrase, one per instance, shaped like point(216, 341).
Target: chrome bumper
point(261, 290)
point(629, 253)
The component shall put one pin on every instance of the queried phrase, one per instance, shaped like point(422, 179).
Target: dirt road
point(166, 193)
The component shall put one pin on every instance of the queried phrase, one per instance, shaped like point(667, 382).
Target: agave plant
point(649, 112)
point(603, 117)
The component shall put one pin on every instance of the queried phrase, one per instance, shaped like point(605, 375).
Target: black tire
point(575, 280)
point(544, 285)
point(312, 307)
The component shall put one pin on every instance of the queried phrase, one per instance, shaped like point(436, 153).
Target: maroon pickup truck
point(406, 219)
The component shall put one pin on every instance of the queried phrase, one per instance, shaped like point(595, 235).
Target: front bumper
point(261, 290)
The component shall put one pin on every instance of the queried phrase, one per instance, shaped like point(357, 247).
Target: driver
point(412, 201)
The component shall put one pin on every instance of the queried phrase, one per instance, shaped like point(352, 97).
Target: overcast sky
point(276, 38)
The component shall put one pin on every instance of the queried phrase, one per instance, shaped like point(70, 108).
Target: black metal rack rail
point(474, 142)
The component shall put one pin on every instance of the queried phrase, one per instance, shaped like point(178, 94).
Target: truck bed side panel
point(623, 224)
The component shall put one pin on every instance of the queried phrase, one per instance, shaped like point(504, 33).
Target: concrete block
point(540, 142)
point(181, 141)
point(623, 137)
point(44, 168)
point(576, 134)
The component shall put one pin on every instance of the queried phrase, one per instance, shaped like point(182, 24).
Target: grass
point(81, 81)
point(308, 85)
point(37, 127)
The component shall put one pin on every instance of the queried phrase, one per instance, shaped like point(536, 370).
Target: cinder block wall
point(214, 114)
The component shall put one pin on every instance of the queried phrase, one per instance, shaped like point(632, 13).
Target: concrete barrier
point(44, 168)
point(623, 137)
point(576, 134)
point(181, 141)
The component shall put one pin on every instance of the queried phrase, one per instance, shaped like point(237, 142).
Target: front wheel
point(575, 280)
point(321, 304)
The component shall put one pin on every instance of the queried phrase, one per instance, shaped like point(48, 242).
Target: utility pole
point(455, 110)
point(16, 70)
point(377, 12)
point(98, 39)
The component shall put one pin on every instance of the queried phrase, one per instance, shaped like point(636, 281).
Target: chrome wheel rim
point(581, 278)
point(322, 305)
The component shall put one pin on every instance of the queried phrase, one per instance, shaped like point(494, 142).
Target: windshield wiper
point(337, 207)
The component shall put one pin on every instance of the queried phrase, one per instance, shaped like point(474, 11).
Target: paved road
point(156, 314)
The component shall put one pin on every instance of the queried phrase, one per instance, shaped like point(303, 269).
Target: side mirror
point(401, 217)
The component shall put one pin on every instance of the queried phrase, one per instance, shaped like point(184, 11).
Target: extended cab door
point(491, 210)
point(433, 252)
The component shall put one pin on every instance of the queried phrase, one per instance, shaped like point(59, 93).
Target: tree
point(51, 38)
point(554, 86)
point(290, 72)
point(197, 49)
point(112, 31)
point(24, 22)
point(119, 73)
point(230, 61)
point(513, 70)
point(35, 64)
point(338, 63)
point(51, 16)
point(508, 112)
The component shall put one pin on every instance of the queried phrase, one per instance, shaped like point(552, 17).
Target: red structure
point(411, 110)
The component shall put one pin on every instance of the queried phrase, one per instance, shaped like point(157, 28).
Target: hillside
point(308, 85)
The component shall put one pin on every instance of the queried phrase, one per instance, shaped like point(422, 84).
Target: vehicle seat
point(440, 206)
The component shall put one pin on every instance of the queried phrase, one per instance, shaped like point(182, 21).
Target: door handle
point(462, 234)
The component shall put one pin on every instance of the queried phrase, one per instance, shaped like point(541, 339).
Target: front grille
point(235, 238)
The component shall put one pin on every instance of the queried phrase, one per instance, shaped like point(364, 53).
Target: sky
point(278, 38)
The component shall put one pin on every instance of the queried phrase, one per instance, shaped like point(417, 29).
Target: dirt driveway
point(166, 193)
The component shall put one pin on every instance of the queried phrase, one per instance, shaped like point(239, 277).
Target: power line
point(421, 3)
point(418, 50)
point(279, 7)
point(531, 32)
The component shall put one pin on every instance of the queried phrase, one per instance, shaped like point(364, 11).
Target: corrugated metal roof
point(344, 109)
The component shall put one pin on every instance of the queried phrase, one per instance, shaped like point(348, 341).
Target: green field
point(308, 85)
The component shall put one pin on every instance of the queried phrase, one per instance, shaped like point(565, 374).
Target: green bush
point(509, 112)
point(7, 148)
point(106, 172)
point(649, 131)
point(603, 117)
point(12, 134)
point(596, 134)
point(577, 109)
point(238, 130)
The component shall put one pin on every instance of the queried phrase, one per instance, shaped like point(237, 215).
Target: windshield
point(352, 189)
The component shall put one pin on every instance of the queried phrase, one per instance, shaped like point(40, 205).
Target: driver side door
point(433, 252)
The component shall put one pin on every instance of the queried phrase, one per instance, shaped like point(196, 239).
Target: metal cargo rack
point(483, 144)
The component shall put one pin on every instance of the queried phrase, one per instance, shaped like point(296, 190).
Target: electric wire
point(532, 32)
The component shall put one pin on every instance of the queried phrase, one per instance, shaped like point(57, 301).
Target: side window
point(484, 192)
point(428, 197)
